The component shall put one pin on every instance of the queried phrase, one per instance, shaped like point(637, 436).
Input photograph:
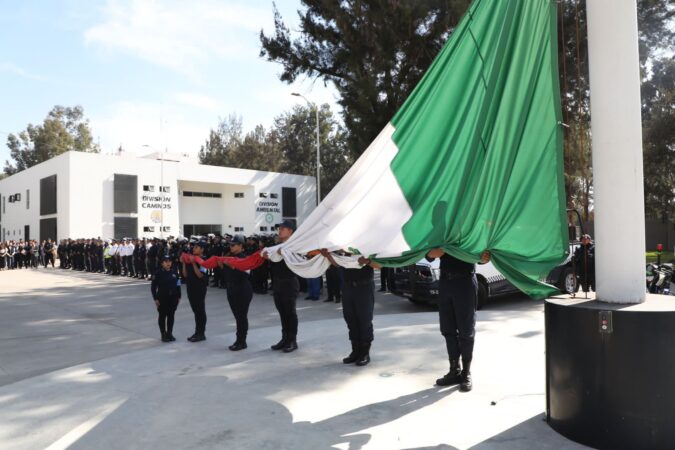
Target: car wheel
point(483, 293)
point(568, 282)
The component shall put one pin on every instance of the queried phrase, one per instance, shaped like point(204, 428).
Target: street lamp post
point(318, 150)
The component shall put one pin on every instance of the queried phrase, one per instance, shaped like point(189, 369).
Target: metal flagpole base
point(610, 372)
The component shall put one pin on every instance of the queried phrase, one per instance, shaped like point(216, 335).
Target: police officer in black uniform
point(458, 292)
point(358, 303)
point(49, 253)
point(165, 290)
point(151, 257)
point(141, 268)
point(584, 263)
point(285, 290)
point(197, 279)
point(239, 292)
point(217, 249)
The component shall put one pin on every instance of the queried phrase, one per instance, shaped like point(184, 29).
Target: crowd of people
point(26, 254)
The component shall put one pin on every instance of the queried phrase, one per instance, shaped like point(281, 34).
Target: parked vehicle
point(660, 279)
point(419, 282)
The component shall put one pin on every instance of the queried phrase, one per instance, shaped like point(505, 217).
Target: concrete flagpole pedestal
point(610, 362)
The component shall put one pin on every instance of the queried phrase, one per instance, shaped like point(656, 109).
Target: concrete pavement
point(82, 368)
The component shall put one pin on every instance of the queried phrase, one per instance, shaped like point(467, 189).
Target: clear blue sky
point(130, 62)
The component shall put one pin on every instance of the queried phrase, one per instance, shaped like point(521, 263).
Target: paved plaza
point(81, 367)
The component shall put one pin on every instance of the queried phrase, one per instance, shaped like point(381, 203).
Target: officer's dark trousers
point(358, 301)
point(197, 296)
point(457, 312)
point(151, 267)
point(140, 268)
point(166, 310)
point(334, 283)
point(285, 295)
point(384, 278)
point(239, 297)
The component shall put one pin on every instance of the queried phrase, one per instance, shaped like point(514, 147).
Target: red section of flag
point(249, 263)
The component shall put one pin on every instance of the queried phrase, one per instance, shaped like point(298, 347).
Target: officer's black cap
point(166, 258)
point(287, 224)
point(238, 239)
point(201, 244)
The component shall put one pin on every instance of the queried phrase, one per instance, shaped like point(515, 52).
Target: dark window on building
point(202, 194)
point(201, 230)
point(48, 229)
point(48, 195)
point(238, 229)
point(238, 195)
point(165, 229)
point(263, 195)
point(27, 198)
point(288, 202)
point(126, 227)
point(263, 228)
point(148, 229)
point(274, 195)
point(148, 188)
point(165, 189)
point(126, 193)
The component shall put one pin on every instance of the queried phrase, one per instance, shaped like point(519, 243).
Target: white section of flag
point(366, 210)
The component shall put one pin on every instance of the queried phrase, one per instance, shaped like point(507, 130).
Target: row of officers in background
point(26, 254)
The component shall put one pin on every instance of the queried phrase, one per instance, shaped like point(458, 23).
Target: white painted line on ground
point(76, 433)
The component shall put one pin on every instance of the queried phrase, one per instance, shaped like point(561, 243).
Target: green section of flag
point(480, 145)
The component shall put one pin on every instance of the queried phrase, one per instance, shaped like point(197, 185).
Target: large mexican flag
point(471, 162)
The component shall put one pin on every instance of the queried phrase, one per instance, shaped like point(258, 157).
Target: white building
point(86, 195)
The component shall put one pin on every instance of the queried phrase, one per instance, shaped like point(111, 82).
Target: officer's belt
point(456, 275)
point(359, 282)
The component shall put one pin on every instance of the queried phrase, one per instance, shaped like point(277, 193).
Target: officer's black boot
point(454, 376)
point(291, 345)
point(354, 355)
point(364, 354)
point(466, 385)
point(281, 344)
point(239, 344)
point(338, 299)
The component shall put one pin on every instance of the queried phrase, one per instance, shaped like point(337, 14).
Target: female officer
point(165, 290)
point(239, 292)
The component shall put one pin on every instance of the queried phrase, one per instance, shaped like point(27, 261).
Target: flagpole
point(616, 125)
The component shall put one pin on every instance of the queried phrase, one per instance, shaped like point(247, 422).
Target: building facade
point(87, 195)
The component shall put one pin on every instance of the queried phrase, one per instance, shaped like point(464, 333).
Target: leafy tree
point(218, 148)
point(373, 51)
point(656, 35)
point(257, 151)
point(64, 129)
point(288, 146)
point(658, 113)
point(295, 135)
